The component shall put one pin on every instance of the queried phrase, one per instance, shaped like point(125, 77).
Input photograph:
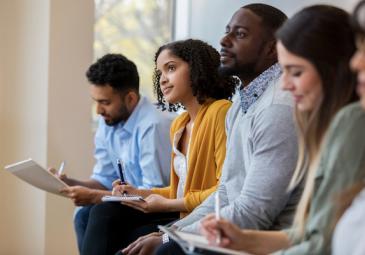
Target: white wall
point(24, 65)
point(206, 19)
point(45, 113)
point(69, 123)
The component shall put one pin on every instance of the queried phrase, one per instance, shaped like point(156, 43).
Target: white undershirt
point(181, 161)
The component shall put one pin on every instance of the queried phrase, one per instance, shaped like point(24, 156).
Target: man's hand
point(62, 177)
point(152, 203)
point(144, 245)
point(81, 195)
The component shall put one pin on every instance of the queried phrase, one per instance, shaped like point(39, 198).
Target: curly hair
point(115, 70)
point(203, 61)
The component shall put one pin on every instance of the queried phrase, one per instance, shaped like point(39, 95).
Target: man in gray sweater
point(261, 139)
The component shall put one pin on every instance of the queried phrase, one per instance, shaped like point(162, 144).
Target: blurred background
point(45, 110)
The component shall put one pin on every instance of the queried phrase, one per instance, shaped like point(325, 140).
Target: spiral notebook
point(121, 198)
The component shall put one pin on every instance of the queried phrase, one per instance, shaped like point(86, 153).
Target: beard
point(244, 71)
point(114, 120)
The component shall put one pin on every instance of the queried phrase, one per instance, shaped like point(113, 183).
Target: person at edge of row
point(332, 153)
point(350, 229)
point(261, 138)
point(186, 74)
point(127, 124)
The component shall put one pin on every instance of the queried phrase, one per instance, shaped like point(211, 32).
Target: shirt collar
point(129, 125)
point(256, 88)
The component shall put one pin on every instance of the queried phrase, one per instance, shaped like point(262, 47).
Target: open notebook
point(121, 198)
point(194, 244)
point(37, 176)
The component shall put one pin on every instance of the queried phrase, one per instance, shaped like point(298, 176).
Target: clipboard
point(195, 244)
point(37, 176)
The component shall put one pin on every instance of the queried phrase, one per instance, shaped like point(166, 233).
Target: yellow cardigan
point(207, 151)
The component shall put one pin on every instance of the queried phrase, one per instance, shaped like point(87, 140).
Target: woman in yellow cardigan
point(186, 74)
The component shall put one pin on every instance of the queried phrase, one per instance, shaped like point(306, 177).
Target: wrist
point(65, 180)
point(250, 239)
point(96, 196)
point(143, 192)
point(170, 205)
point(165, 238)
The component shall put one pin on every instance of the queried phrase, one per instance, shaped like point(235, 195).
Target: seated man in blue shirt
point(131, 130)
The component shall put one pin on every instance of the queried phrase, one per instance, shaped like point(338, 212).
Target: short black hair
point(115, 70)
point(272, 18)
point(203, 60)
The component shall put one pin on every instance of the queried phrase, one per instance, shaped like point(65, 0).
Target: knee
point(105, 210)
point(82, 215)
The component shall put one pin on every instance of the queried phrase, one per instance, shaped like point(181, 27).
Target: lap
point(170, 248)
point(127, 215)
point(112, 226)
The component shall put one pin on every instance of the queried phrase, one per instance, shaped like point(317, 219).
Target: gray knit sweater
point(260, 159)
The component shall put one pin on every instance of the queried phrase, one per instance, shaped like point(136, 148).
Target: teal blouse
point(342, 163)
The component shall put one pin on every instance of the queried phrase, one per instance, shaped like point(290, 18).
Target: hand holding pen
point(123, 189)
point(119, 185)
point(232, 236)
point(59, 173)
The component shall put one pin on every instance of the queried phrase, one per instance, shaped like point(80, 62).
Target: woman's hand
point(152, 203)
point(120, 189)
point(230, 235)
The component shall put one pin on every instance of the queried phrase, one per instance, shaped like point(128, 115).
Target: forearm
point(98, 194)
point(176, 205)
point(143, 192)
point(92, 184)
point(265, 242)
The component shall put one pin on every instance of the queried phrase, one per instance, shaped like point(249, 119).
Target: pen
point(122, 180)
point(217, 215)
point(62, 166)
point(120, 167)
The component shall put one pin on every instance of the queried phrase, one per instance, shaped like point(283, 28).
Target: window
point(135, 29)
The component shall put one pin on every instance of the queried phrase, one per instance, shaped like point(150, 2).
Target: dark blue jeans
point(80, 223)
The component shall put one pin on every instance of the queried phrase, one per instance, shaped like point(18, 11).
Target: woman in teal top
point(317, 73)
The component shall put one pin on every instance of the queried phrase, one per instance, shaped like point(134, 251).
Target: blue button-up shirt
point(141, 144)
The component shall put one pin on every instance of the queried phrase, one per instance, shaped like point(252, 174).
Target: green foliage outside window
point(134, 28)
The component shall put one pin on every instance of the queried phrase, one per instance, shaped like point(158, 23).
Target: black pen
point(120, 167)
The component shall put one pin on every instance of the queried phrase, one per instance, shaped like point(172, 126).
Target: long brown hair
point(322, 35)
